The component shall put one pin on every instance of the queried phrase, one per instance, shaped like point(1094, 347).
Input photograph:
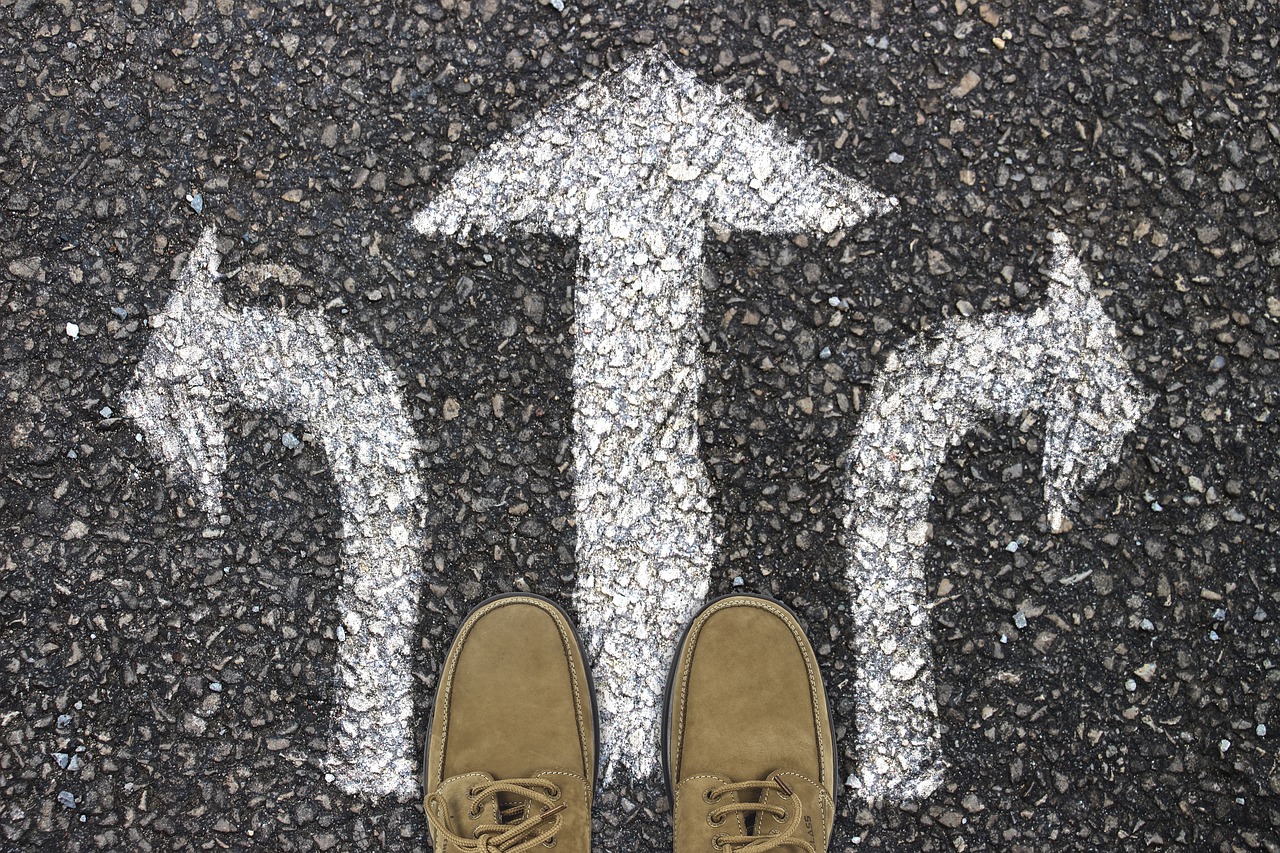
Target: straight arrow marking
point(204, 356)
point(635, 166)
point(1063, 360)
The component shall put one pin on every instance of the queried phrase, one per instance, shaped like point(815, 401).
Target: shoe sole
point(671, 675)
point(586, 666)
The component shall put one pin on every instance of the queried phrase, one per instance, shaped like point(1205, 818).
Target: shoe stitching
point(685, 669)
point(455, 652)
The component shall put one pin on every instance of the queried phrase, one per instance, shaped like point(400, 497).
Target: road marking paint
point(1063, 360)
point(203, 356)
point(635, 166)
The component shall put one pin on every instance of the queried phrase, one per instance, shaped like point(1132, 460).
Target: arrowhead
point(169, 401)
point(1096, 399)
point(1065, 270)
point(648, 145)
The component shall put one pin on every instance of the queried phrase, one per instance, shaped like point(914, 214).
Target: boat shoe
point(747, 741)
point(511, 758)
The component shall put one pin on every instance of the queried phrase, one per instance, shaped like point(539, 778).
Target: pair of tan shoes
point(747, 737)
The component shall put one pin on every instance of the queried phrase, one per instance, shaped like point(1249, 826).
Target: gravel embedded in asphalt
point(309, 135)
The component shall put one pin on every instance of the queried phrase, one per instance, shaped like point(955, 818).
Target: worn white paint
point(204, 357)
point(635, 166)
point(1063, 360)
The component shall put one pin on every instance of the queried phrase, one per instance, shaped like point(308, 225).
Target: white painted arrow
point(635, 166)
point(1062, 360)
point(204, 357)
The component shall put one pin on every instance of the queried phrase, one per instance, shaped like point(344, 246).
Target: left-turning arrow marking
point(203, 357)
point(635, 166)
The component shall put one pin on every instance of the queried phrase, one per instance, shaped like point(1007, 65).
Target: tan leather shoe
point(747, 741)
point(511, 760)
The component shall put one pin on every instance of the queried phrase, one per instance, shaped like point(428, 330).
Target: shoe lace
point(759, 843)
point(530, 829)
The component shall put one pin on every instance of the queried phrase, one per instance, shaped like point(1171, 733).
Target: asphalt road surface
point(172, 654)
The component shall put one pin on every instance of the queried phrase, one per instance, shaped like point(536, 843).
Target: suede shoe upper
point(749, 749)
point(511, 758)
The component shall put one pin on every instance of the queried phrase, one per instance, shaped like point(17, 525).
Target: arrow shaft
point(644, 537)
point(923, 402)
point(897, 460)
point(348, 397)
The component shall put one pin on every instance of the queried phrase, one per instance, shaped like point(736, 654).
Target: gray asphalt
point(1106, 688)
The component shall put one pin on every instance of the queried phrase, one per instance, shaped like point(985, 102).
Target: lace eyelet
point(550, 842)
point(473, 791)
point(707, 797)
point(555, 792)
point(718, 842)
point(783, 816)
point(784, 790)
point(715, 821)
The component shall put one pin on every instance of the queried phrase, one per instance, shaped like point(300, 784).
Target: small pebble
point(73, 330)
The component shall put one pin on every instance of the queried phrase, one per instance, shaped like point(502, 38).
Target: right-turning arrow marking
point(635, 166)
point(1063, 360)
